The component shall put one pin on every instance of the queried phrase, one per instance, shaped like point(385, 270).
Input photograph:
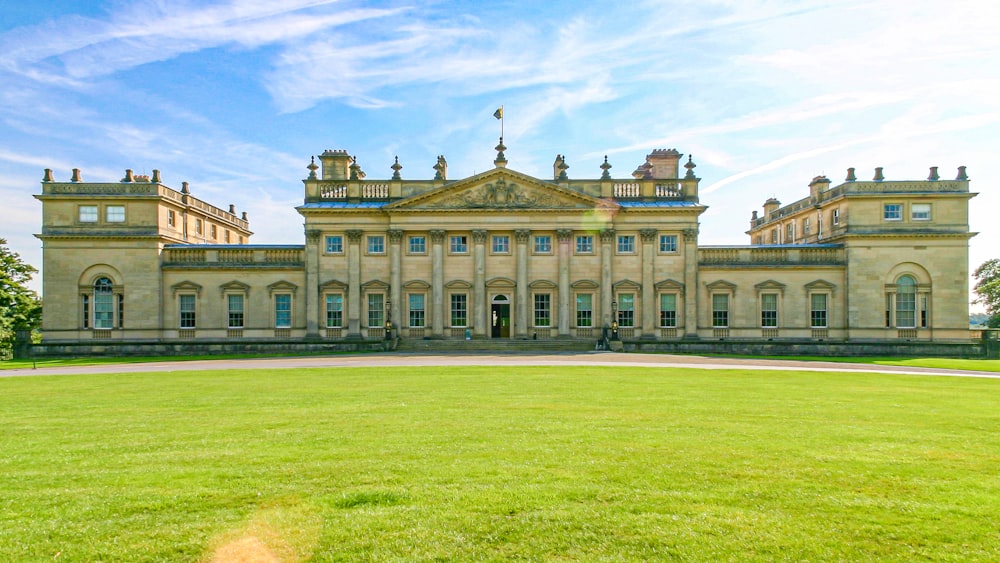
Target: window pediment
point(186, 286)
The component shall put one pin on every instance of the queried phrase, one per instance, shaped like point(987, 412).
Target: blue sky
point(234, 96)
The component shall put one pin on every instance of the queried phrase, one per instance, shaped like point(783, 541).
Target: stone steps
point(494, 345)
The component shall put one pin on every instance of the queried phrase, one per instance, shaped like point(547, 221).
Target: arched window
point(906, 302)
point(104, 304)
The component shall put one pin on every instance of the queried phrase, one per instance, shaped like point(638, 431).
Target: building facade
point(504, 255)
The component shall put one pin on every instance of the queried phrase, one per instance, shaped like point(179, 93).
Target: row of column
point(480, 301)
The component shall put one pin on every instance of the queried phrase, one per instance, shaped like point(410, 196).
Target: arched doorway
point(500, 316)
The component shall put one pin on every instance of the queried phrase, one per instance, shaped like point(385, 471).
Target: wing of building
point(504, 255)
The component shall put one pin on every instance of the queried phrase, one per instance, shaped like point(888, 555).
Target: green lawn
point(500, 463)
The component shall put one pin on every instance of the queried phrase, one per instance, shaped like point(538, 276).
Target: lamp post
point(388, 318)
point(614, 319)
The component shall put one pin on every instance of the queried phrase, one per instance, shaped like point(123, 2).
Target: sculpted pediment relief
point(501, 191)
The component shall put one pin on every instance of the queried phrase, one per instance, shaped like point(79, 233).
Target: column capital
point(564, 235)
point(354, 235)
point(395, 235)
point(479, 236)
point(691, 234)
point(608, 235)
point(437, 236)
point(648, 235)
point(522, 235)
point(312, 235)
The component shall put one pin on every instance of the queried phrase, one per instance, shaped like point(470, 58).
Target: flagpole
point(501, 121)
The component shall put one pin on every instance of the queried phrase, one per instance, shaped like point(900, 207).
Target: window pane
point(459, 309)
point(334, 244)
point(626, 244)
point(626, 309)
point(769, 310)
point(584, 244)
point(187, 310)
point(906, 302)
point(893, 212)
point(376, 244)
point(334, 311)
point(543, 244)
point(115, 213)
point(668, 310)
point(418, 245)
point(720, 310)
point(416, 308)
point(376, 310)
point(236, 317)
point(921, 211)
point(668, 243)
point(88, 213)
point(543, 309)
point(104, 304)
point(584, 310)
point(458, 244)
point(501, 244)
point(818, 312)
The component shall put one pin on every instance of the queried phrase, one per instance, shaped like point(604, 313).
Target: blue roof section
point(202, 246)
point(805, 245)
point(660, 203)
point(345, 205)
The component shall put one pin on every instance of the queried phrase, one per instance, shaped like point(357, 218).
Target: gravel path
point(506, 359)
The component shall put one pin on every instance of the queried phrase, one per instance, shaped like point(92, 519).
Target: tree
point(988, 290)
point(20, 307)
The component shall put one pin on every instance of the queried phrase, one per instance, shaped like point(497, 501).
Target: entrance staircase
point(496, 346)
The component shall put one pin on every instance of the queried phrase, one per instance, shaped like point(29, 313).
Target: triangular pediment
point(500, 189)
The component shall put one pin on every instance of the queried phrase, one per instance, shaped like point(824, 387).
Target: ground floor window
point(376, 310)
point(543, 310)
point(584, 310)
point(282, 310)
point(626, 309)
point(818, 310)
point(720, 310)
point(459, 309)
point(104, 304)
point(236, 313)
point(188, 314)
point(334, 310)
point(668, 310)
point(769, 310)
point(416, 310)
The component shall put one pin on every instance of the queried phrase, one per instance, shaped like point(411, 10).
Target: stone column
point(479, 305)
point(312, 297)
point(648, 289)
point(607, 291)
point(565, 237)
point(354, 283)
point(437, 283)
point(521, 326)
point(691, 283)
point(395, 276)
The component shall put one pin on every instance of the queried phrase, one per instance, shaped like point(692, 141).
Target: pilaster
point(354, 283)
point(691, 283)
point(479, 305)
point(565, 237)
point(607, 291)
point(395, 274)
point(311, 292)
point(437, 283)
point(521, 326)
point(648, 237)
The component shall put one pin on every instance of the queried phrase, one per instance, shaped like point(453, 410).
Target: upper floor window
point(836, 217)
point(626, 244)
point(501, 244)
point(171, 217)
point(418, 245)
point(920, 212)
point(334, 244)
point(215, 232)
point(668, 243)
point(805, 226)
point(198, 227)
point(88, 213)
point(774, 236)
point(584, 244)
point(376, 244)
point(458, 244)
point(543, 244)
point(115, 213)
point(892, 211)
point(790, 235)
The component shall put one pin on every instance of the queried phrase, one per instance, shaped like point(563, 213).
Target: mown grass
point(105, 360)
point(508, 463)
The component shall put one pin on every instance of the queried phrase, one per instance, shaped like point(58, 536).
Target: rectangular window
point(416, 309)
point(376, 310)
point(334, 244)
point(458, 244)
point(88, 213)
point(215, 232)
point(501, 244)
point(668, 243)
point(790, 235)
point(334, 310)
point(817, 314)
point(86, 311)
point(282, 310)
point(906, 304)
point(805, 226)
point(227, 236)
point(198, 226)
point(376, 244)
point(418, 245)
point(235, 309)
point(626, 309)
point(543, 310)
point(892, 211)
point(171, 217)
point(668, 310)
point(543, 244)
point(774, 236)
point(769, 310)
point(104, 309)
point(584, 244)
point(626, 244)
point(836, 216)
point(923, 311)
point(720, 310)
point(121, 311)
point(584, 310)
point(920, 212)
point(114, 213)
point(187, 310)
point(459, 309)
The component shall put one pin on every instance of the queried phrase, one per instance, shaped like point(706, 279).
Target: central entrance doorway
point(500, 317)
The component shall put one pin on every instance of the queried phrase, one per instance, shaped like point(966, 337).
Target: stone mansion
point(504, 255)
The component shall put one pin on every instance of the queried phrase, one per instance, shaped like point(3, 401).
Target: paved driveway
point(506, 359)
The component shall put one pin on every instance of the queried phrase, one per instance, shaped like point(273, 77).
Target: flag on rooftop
point(498, 113)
